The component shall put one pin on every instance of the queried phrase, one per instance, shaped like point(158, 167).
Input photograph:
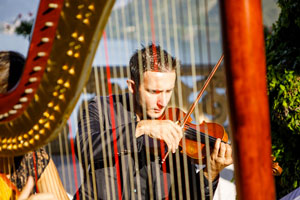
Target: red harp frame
point(245, 63)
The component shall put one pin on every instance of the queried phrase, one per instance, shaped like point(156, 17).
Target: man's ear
point(131, 86)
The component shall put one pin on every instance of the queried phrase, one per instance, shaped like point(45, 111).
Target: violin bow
point(192, 107)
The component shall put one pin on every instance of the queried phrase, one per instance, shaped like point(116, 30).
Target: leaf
point(282, 87)
point(284, 104)
point(295, 184)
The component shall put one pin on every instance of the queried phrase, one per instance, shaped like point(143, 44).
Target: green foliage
point(24, 28)
point(283, 66)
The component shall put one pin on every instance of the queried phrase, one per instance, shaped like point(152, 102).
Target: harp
point(50, 77)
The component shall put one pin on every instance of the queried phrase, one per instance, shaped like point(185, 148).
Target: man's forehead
point(159, 80)
point(158, 73)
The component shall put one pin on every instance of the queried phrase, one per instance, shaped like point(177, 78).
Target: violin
point(206, 133)
point(276, 169)
point(196, 136)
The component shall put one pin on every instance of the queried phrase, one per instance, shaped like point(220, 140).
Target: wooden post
point(243, 44)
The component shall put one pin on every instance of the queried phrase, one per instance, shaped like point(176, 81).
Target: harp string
point(179, 91)
point(113, 90)
point(82, 172)
point(195, 91)
point(193, 65)
point(173, 101)
point(67, 154)
point(185, 163)
point(108, 171)
point(62, 159)
point(115, 19)
point(90, 149)
point(168, 38)
point(146, 39)
point(108, 139)
point(113, 117)
point(47, 187)
point(35, 171)
point(131, 169)
point(168, 44)
point(197, 113)
point(83, 161)
point(102, 139)
point(49, 148)
point(212, 91)
point(73, 157)
point(76, 142)
point(198, 23)
point(138, 36)
point(154, 50)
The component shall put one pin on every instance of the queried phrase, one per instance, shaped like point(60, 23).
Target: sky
point(12, 11)
point(9, 12)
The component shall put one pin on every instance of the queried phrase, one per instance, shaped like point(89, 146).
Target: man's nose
point(162, 99)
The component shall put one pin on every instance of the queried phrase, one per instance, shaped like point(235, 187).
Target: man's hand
point(25, 194)
point(165, 130)
point(220, 158)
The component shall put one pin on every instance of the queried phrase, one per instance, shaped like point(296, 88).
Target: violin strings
point(193, 135)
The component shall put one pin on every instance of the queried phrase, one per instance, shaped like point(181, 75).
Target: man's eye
point(153, 92)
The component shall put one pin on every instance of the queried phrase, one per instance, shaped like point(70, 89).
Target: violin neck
point(191, 134)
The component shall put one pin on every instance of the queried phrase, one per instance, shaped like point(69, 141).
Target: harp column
point(243, 44)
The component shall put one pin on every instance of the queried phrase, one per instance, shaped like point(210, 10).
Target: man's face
point(154, 92)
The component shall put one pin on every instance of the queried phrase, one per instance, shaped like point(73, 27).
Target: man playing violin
point(124, 134)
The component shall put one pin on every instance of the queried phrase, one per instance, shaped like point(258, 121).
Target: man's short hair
point(151, 58)
point(13, 63)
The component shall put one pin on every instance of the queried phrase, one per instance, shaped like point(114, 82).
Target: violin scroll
point(276, 169)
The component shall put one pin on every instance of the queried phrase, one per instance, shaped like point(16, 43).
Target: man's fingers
point(216, 148)
point(176, 132)
point(228, 154)
point(222, 150)
point(170, 135)
point(27, 189)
